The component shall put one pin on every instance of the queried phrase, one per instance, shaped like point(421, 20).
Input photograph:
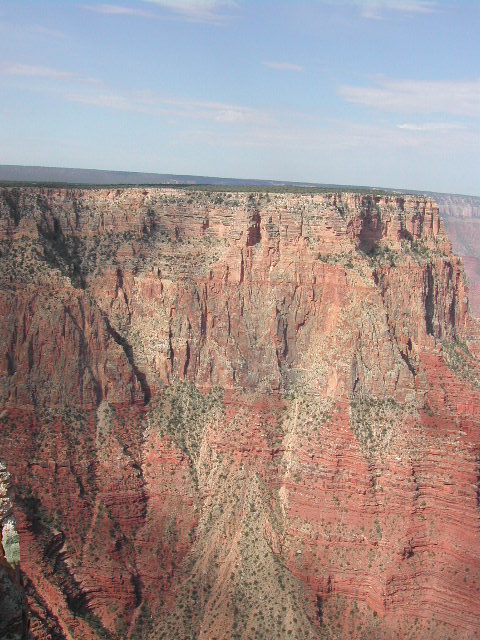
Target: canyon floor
point(237, 415)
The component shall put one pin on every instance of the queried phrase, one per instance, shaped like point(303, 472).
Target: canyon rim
point(236, 414)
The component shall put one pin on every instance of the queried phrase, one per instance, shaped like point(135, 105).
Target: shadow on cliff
point(127, 348)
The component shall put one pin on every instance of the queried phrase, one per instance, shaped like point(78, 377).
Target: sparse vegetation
point(375, 421)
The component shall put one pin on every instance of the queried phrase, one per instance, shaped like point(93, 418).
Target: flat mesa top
point(207, 188)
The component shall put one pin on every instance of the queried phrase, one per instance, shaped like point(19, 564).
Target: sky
point(364, 92)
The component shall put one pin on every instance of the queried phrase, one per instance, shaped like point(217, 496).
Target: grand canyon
point(237, 414)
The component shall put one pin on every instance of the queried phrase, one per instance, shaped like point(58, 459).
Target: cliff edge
point(237, 415)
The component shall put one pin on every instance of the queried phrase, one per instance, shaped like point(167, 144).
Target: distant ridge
point(65, 175)
point(14, 173)
point(19, 173)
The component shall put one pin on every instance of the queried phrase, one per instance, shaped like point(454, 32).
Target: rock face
point(13, 606)
point(239, 415)
point(461, 215)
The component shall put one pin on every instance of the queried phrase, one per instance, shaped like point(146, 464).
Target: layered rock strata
point(239, 415)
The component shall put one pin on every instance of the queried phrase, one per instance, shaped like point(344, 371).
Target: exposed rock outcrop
point(13, 605)
point(238, 415)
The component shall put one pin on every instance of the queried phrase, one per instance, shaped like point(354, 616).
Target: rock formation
point(461, 215)
point(239, 415)
point(13, 606)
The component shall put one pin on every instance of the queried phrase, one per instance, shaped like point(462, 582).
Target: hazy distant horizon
point(81, 175)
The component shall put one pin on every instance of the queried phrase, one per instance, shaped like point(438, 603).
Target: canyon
point(238, 414)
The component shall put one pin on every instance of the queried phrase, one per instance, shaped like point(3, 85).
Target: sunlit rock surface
point(239, 415)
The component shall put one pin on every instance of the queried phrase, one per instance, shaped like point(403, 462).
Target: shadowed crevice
point(127, 348)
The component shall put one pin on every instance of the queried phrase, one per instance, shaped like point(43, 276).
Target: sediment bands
point(239, 415)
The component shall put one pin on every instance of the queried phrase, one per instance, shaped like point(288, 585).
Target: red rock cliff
point(239, 415)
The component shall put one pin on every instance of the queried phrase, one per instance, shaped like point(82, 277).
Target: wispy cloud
point(147, 103)
point(244, 126)
point(37, 71)
point(16, 69)
point(380, 9)
point(206, 11)
point(107, 101)
point(339, 136)
point(415, 96)
point(431, 126)
point(283, 66)
point(116, 10)
point(377, 9)
point(45, 31)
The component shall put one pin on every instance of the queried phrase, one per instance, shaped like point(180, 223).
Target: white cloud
point(379, 9)
point(207, 11)
point(431, 126)
point(37, 71)
point(339, 136)
point(283, 66)
point(411, 7)
point(116, 10)
point(244, 126)
point(147, 103)
point(45, 31)
point(107, 101)
point(416, 96)
point(376, 9)
point(16, 69)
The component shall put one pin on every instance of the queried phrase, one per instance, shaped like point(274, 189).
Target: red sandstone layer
point(238, 415)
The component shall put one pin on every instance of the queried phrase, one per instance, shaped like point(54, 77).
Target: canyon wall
point(461, 215)
point(239, 415)
point(14, 621)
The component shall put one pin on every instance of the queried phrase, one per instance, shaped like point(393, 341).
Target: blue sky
point(380, 92)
